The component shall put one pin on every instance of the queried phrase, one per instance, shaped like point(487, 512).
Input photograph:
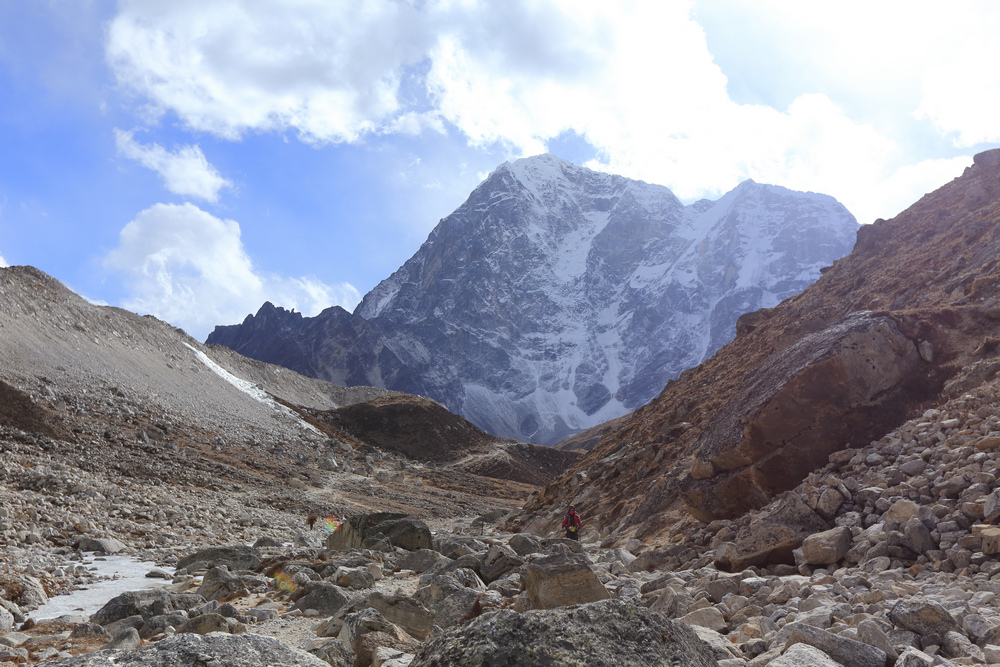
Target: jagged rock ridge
point(556, 298)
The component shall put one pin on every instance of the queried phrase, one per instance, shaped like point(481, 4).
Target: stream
point(117, 574)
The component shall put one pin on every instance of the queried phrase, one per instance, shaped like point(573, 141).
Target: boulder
point(610, 633)
point(871, 633)
point(827, 547)
point(324, 597)
point(32, 593)
point(212, 622)
point(381, 529)
point(371, 643)
point(14, 610)
point(266, 542)
point(922, 617)
point(771, 537)
point(447, 599)
point(220, 584)
point(421, 560)
point(525, 543)
point(89, 631)
point(718, 644)
point(849, 382)
point(158, 624)
point(498, 561)
point(108, 545)
point(648, 561)
point(913, 657)
point(957, 645)
point(803, 655)
point(405, 612)
point(917, 537)
point(849, 652)
point(707, 617)
point(126, 639)
point(6, 620)
point(145, 604)
point(334, 653)
point(367, 630)
point(901, 511)
point(238, 557)
point(245, 650)
point(562, 580)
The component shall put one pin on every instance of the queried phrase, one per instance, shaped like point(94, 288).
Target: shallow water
point(84, 602)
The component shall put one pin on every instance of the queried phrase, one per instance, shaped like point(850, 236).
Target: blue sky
point(191, 159)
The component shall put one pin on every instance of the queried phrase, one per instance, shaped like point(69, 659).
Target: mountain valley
point(821, 490)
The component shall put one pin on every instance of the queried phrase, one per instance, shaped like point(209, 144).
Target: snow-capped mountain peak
point(557, 297)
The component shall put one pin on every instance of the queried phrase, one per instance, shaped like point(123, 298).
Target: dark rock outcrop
point(850, 382)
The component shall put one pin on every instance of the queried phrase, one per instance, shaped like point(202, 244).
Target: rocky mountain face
point(556, 298)
point(910, 319)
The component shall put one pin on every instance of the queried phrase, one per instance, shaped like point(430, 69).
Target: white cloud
point(637, 81)
point(330, 70)
point(184, 172)
point(3, 262)
point(190, 268)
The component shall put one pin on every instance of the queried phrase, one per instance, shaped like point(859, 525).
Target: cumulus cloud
point(637, 81)
point(330, 70)
point(184, 172)
point(190, 268)
point(3, 262)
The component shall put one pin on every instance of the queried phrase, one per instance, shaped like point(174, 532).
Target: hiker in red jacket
point(572, 523)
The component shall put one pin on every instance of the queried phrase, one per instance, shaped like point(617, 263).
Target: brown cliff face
point(909, 318)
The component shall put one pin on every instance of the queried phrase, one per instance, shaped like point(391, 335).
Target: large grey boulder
point(923, 617)
point(32, 593)
point(237, 557)
point(108, 545)
point(379, 530)
point(611, 633)
point(447, 599)
point(803, 655)
point(421, 560)
point(771, 537)
point(562, 580)
point(849, 652)
point(211, 622)
point(324, 597)
point(126, 639)
point(247, 650)
point(6, 620)
point(145, 603)
point(405, 612)
point(498, 561)
point(525, 543)
point(334, 653)
point(828, 546)
point(220, 584)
